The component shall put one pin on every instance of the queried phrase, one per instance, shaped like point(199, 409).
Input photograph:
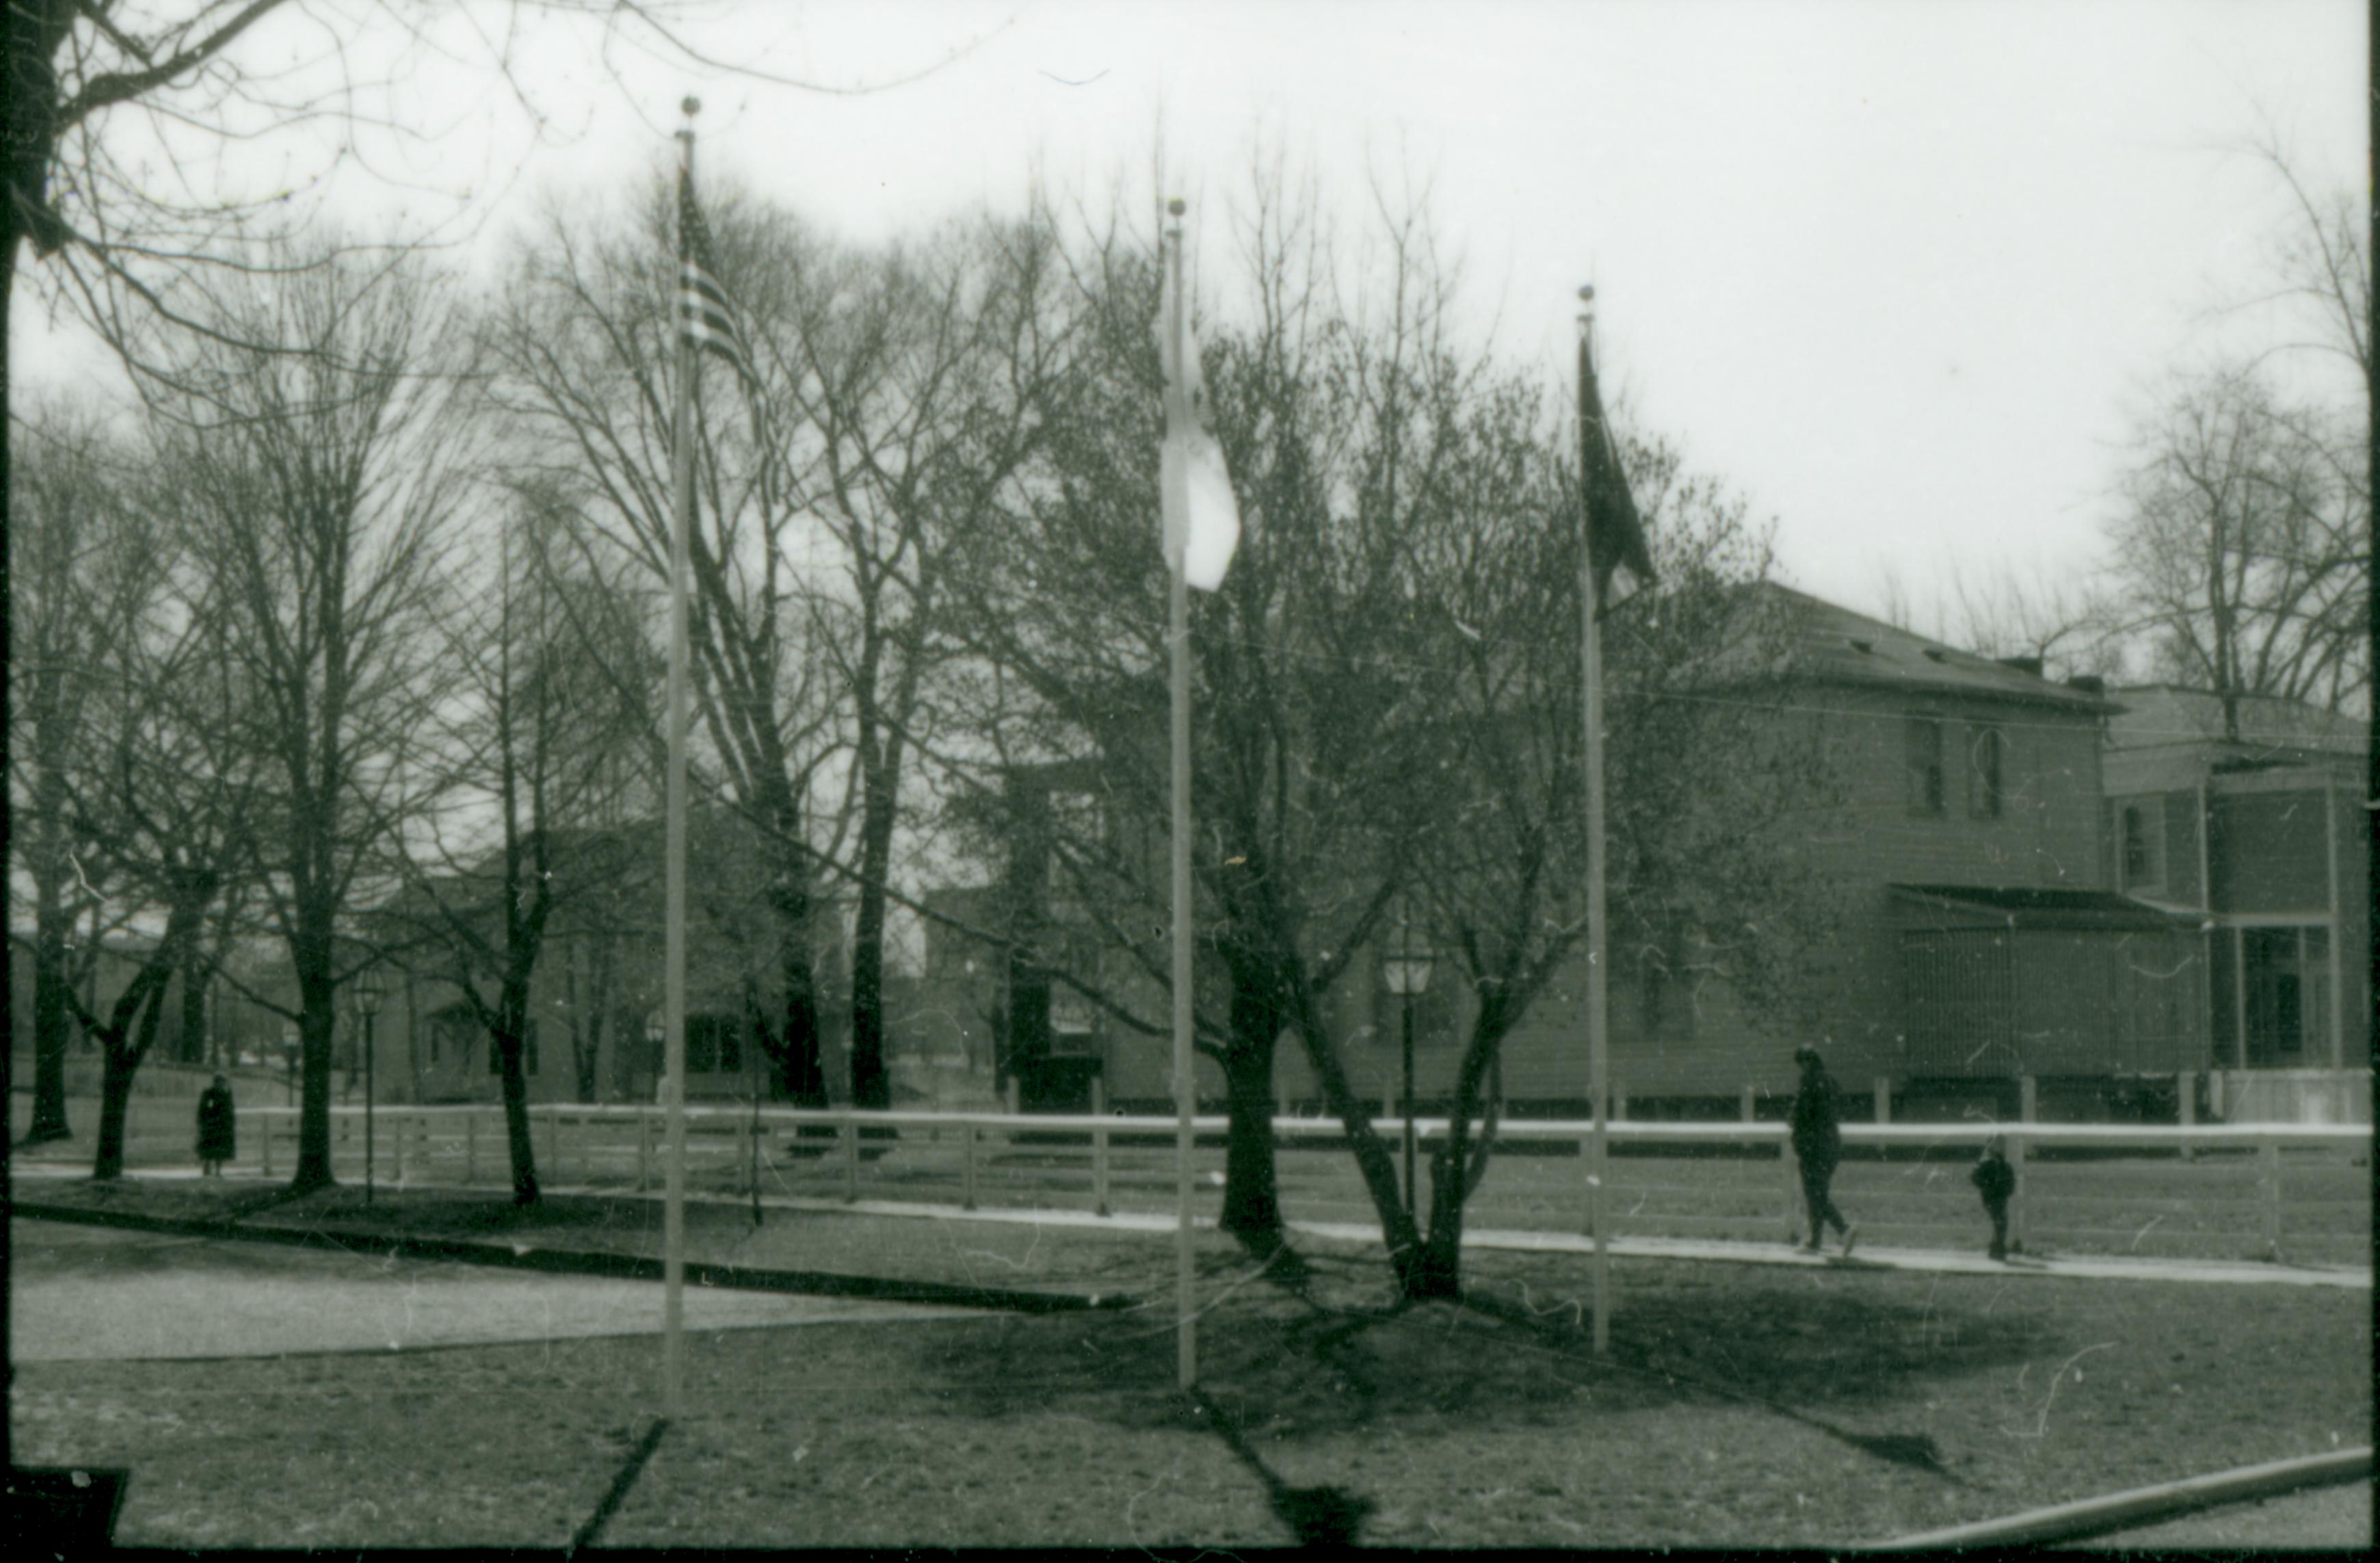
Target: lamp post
point(369, 993)
point(1405, 968)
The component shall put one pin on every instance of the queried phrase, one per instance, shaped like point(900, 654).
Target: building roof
point(2030, 908)
point(1831, 644)
point(2272, 730)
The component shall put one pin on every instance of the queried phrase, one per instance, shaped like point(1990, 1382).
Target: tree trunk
point(1251, 1188)
point(516, 1135)
point(141, 1005)
point(870, 1087)
point(117, 1070)
point(52, 922)
point(801, 1073)
point(190, 1039)
point(1454, 1171)
point(317, 1022)
point(1372, 1161)
point(53, 1021)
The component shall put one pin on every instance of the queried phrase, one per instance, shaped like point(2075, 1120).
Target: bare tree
point(2067, 626)
point(918, 398)
point(322, 476)
point(583, 352)
point(80, 588)
point(118, 116)
point(1500, 880)
point(2243, 548)
point(530, 740)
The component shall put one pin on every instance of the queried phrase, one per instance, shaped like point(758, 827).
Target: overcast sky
point(1899, 271)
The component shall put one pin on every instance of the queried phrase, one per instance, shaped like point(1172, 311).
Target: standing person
point(1997, 1180)
point(1818, 1145)
point(218, 1128)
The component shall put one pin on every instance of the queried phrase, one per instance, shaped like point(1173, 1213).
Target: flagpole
point(1178, 638)
point(1591, 764)
point(674, 809)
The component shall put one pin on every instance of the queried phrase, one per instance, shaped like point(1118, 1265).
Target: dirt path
point(85, 1294)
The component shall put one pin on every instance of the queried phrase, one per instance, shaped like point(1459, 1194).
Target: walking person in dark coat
point(1997, 1182)
point(218, 1128)
point(1819, 1147)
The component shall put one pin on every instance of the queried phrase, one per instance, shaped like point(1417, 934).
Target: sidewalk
point(1931, 1261)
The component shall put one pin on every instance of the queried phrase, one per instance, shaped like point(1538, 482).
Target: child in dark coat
point(1996, 1181)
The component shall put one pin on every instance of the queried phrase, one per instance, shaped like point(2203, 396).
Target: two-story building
point(2252, 829)
point(594, 1030)
point(1977, 932)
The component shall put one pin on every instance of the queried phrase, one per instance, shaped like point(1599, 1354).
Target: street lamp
point(369, 993)
point(1405, 968)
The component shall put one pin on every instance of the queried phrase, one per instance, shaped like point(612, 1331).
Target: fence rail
point(2223, 1187)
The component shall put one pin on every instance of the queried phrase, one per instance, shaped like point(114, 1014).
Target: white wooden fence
point(622, 1146)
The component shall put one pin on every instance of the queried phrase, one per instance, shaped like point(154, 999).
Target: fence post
point(967, 1166)
point(396, 1147)
point(2186, 1102)
point(470, 1145)
point(1586, 1160)
point(851, 1157)
point(2270, 1152)
point(264, 1141)
point(1883, 1098)
point(644, 1148)
point(1790, 1162)
point(1749, 1111)
point(2028, 1104)
point(1015, 1096)
point(1099, 1146)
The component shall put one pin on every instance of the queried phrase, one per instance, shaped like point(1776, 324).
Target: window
point(1074, 1020)
point(1923, 745)
point(1071, 1028)
point(528, 1051)
point(1665, 988)
point(2276, 996)
point(2141, 842)
point(452, 1031)
point(1074, 838)
point(714, 1044)
point(1984, 761)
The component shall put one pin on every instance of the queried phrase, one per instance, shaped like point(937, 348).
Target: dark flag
point(706, 317)
point(1615, 534)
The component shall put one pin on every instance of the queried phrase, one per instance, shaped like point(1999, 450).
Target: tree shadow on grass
point(460, 1216)
point(1341, 1354)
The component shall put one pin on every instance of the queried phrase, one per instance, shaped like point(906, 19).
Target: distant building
point(2258, 837)
point(593, 1033)
point(1980, 932)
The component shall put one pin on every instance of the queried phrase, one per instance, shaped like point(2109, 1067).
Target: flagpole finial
point(691, 105)
point(1176, 206)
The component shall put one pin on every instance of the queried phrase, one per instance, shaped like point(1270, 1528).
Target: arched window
point(1984, 761)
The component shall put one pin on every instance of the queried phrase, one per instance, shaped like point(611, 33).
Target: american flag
point(706, 317)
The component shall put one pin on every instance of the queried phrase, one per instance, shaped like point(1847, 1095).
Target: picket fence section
point(594, 1145)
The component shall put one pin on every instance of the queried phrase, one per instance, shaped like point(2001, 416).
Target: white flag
point(1202, 517)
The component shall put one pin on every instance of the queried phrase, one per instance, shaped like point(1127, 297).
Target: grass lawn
point(1739, 1406)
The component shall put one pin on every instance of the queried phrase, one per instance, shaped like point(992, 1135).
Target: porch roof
point(2024, 906)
